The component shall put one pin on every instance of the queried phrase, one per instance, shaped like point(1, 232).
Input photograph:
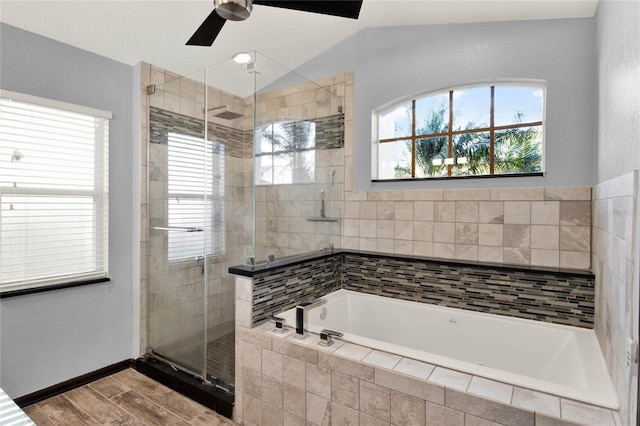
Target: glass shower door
point(180, 192)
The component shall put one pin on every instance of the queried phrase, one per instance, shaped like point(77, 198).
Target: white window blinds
point(53, 193)
point(195, 197)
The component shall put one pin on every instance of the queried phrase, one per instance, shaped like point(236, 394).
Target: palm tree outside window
point(494, 130)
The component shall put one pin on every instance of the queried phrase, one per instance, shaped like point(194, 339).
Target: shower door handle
point(178, 228)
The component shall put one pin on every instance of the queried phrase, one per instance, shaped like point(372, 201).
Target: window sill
point(25, 291)
point(514, 175)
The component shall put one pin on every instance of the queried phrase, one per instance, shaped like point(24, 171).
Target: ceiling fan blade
point(344, 8)
point(208, 30)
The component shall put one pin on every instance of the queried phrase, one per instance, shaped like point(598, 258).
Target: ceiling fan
point(239, 10)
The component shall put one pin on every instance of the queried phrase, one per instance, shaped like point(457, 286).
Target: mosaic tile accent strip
point(162, 122)
point(544, 296)
point(282, 289)
point(238, 143)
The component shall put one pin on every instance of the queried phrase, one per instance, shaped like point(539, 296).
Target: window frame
point(99, 193)
point(450, 133)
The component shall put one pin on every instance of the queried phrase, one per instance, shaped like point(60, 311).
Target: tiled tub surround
point(561, 297)
point(551, 358)
point(281, 381)
point(615, 261)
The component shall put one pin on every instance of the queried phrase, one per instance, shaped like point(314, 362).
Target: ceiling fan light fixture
point(233, 10)
point(242, 58)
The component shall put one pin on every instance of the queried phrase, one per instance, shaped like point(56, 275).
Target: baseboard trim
point(76, 382)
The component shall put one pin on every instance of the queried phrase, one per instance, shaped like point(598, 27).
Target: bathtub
point(561, 360)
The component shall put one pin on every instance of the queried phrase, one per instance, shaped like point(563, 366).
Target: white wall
point(393, 62)
point(50, 337)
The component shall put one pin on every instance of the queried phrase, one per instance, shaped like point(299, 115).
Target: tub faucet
point(300, 317)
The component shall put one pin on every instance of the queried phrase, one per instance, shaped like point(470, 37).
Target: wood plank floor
point(124, 398)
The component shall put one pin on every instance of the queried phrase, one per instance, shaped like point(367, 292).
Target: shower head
point(224, 113)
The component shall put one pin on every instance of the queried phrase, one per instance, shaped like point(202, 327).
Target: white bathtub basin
point(558, 359)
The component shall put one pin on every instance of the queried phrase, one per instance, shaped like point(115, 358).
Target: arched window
point(491, 130)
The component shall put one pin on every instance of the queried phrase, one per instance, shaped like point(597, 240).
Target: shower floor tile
point(221, 358)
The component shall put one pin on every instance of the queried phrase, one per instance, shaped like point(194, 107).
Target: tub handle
point(325, 337)
point(280, 325)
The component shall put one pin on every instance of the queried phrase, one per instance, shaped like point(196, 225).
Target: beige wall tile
point(410, 385)
point(366, 420)
point(518, 236)
point(381, 359)
point(385, 196)
point(549, 258)
point(345, 390)
point(423, 211)
point(368, 244)
point(444, 211)
point(251, 356)
point(490, 254)
point(444, 250)
point(403, 210)
point(271, 416)
point(294, 372)
point(545, 212)
point(467, 211)
point(351, 351)
point(536, 401)
point(582, 413)
point(466, 233)
point(467, 194)
point(450, 378)
point(424, 195)
point(568, 193)
point(575, 213)
point(517, 212)
point(368, 228)
point(491, 212)
point(251, 409)
point(272, 364)
point(491, 389)
point(352, 210)
point(385, 229)
point(422, 231)
point(423, 248)
point(341, 415)
point(368, 210)
point(272, 392)
point(438, 415)
point(544, 420)
point(466, 252)
point(514, 194)
point(295, 350)
point(517, 256)
point(403, 229)
point(252, 383)
point(375, 400)
point(294, 400)
point(407, 410)
point(318, 381)
point(575, 260)
point(470, 420)
point(385, 210)
point(487, 409)
point(347, 366)
point(318, 410)
point(490, 234)
point(414, 368)
point(384, 245)
point(575, 238)
point(545, 237)
point(444, 232)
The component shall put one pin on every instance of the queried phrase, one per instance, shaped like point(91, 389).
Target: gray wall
point(57, 335)
point(395, 62)
point(618, 40)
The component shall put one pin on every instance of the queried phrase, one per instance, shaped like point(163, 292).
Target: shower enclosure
point(244, 161)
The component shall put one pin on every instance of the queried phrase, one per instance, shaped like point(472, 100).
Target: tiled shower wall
point(615, 264)
point(282, 211)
